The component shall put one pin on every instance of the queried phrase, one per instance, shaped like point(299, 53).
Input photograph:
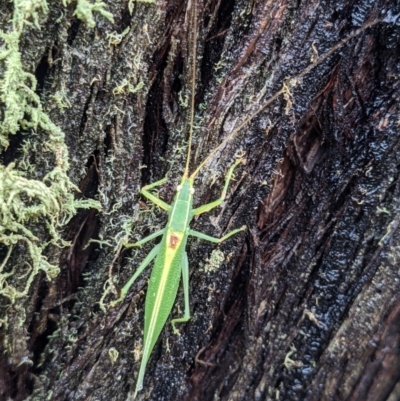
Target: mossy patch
point(84, 11)
point(32, 211)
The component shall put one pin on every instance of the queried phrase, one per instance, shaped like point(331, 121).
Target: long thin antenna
point(285, 89)
point(193, 27)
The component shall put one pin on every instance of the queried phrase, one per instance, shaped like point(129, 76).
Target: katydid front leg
point(212, 205)
point(155, 199)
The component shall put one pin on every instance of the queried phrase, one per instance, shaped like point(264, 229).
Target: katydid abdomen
point(161, 293)
point(165, 276)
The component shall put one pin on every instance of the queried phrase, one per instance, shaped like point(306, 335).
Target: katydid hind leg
point(152, 254)
point(185, 281)
point(209, 206)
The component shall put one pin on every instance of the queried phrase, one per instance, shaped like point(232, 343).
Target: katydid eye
point(192, 191)
point(179, 187)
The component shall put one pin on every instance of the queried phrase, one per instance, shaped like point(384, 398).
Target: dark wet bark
point(306, 304)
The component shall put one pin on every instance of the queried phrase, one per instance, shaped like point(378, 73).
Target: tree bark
point(305, 304)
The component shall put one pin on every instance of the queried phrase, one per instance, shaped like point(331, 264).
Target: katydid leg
point(212, 205)
point(153, 253)
point(206, 237)
point(155, 199)
point(145, 239)
point(185, 280)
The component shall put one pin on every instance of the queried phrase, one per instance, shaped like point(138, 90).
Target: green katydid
point(171, 260)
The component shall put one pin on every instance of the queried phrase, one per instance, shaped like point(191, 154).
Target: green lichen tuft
point(22, 107)
point(24, 10)
point(84, 11)
point(32, 212)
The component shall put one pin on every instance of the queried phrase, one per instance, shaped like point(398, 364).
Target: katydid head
point(185, 188)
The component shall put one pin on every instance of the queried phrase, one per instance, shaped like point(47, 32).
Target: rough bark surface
point(306, 304)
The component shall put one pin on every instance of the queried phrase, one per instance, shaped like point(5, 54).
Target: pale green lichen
point(214, 261)
point(113, 355)
point(121, 238)
point(115, 38)
point(127, 87)
point(17, 93)
point(24, 202)
point(61, 99)
point(131, 2)
point(32, 211)
point(84, 11)
point(24, 10)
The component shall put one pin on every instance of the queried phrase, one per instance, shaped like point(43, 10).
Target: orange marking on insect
point(173, 241)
